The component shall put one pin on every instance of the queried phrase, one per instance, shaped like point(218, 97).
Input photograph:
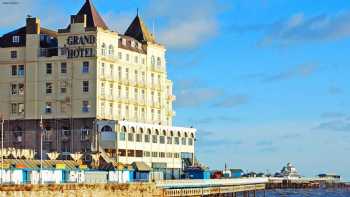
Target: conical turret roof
point(94, 19)
point(139, 31)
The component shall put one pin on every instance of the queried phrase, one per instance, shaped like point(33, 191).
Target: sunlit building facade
point(94, 88)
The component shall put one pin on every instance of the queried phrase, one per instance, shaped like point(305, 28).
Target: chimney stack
point(32, 25)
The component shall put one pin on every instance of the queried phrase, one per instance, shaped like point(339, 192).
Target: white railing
point(209, 182)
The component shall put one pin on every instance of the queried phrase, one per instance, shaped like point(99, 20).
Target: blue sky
point(266, 82)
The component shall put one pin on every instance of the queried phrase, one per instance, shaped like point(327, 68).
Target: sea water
point(306, 193)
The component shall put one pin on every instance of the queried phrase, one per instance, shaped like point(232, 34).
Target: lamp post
point(2, 147)
point(41, 148)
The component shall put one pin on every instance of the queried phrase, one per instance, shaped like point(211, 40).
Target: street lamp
point(41, 148)
point(2, 147)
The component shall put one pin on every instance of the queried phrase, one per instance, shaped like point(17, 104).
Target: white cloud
point(185, 24)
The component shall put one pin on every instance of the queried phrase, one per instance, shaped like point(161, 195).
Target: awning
point(141, 166)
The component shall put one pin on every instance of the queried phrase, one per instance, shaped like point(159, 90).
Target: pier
point(213, 187)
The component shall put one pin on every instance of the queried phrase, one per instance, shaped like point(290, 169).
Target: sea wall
point(82, 190)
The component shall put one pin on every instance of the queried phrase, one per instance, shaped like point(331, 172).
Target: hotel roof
point(139, 31)
point(94, 19)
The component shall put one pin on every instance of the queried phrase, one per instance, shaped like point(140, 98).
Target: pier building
point(95, 89)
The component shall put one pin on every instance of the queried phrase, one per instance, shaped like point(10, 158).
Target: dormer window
point(132, 44)
point(123, 42)
point(15, 39)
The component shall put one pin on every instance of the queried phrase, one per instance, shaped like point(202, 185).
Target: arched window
point(132, 130)
point(159, 62)
point(186, 135)
point(103, 49)
point(122, 134)
point(141, 130)
point(106, 128)
point(157, 132)
point(111, 50)
point(153, 60)
point(171, 133)
point(149, 131)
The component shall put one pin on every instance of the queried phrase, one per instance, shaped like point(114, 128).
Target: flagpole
point(41, 149)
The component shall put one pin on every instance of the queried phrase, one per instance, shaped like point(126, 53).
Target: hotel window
point(48, 107)
point(102, 69)
point(159, 98)
point(21, 70)
point(111, 69)
point(183, 141)
point(119, 73)
point(153, 61)
point(130, 137)
point(136, 113)
point(48, 88)
point(158, 117)
point(176, 141)
point(21, 108)
point(147, 138)
point(111, 109)
point(176, 155)
point(13, 54)
point(127, 112)
point(169, 140)
point(136, 94)
point(138, 137)
point(127, 57)
point(63, 67)
point(152, 114)
point(162, 140)
point(119, 110)
point(143, 61)
point(21, 89)
point(14, 108)
point(159, 62)
point(143, 114)
point(131, 153)
point(48, 68)
point(152, 79)
point(159, 80)
point(127, 73)
point(143, 77)
point(13, 89)
point(85, 67)
point(169, 155)
point(84, 133)
point(63, 85)
point(102, 89)
point(190, 141)
point(127, 92)
point(15, 39)
point(119, 91)
point(154, 154)
point(143, 95)
point(162, 154)
point(103, 110)
point(146, 154)
point(85, 86)
point(111, 50)
point(120, 55)
point(103, 49)
point(154, 139)
point(14, 70)
point(136, 76)
point(122, 136)
point(152, 97)
point(136, 59)
point(85, 106)
point(111, 89)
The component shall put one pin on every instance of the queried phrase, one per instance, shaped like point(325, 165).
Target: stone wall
point(99, 190)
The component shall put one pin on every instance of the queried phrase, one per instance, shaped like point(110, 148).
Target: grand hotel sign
point(79, 46)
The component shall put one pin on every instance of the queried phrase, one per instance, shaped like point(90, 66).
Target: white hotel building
point(96, 89)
